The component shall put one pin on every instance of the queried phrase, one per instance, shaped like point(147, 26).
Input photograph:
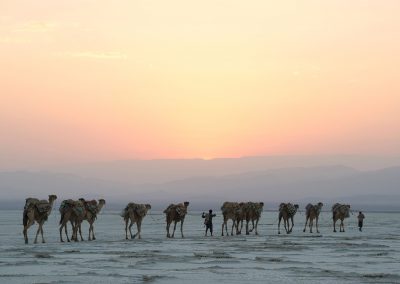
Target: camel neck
point(99, 207)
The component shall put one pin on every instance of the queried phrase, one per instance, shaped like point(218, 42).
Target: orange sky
point(97, 80)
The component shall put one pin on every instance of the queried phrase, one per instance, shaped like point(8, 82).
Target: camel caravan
point(77, 211)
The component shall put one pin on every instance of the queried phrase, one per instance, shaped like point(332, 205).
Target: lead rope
point(155, 220)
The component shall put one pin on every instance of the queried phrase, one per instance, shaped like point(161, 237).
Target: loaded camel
point(312, 212)
point(287, 211)
point(232, 211)
point(340, 211)
point(72, 211)
point(175, 213)
point(252, 212)
point(36, 210)
point(92, 208)
point(135, 213)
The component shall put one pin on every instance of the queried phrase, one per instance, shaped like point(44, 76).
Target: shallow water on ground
point(371, 256)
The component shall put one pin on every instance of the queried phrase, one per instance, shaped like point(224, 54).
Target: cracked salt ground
point(371, 256)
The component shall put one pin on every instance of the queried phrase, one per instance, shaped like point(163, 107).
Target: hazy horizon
point(207, 183)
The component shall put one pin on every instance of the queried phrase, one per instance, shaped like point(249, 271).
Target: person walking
point(360, 218)
point(208, 221)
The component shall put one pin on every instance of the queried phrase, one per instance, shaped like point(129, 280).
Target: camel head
point(186, 203)
point(52, 197)
point(296, 206)
point(320, 204)
point(148, 206)
point(261, 203)
point(102, 201)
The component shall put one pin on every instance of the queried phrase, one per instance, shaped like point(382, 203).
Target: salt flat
point(371, 256)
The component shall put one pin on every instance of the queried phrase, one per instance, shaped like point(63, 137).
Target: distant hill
point(161, 171)
point(377, 189)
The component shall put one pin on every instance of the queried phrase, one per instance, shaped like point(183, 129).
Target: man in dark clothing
point(208, 221)
point(360, 218)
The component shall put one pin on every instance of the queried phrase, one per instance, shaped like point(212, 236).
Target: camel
point(39, 211)
point(92, 209)
point(287, 211)
point(340, 211)
point(74, 212)
point(253, 212)
point(176, 213)
point(135, 213)
point(232, 211)
point(312, 212)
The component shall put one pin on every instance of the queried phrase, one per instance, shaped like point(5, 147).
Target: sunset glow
point(96, 80)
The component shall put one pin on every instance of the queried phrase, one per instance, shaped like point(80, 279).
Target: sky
point(90, 80)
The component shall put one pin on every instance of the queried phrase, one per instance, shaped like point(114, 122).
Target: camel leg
point(61, 228)
point(73, 229)
point(291, 218)
point(41, 232)
point(182, 228)
point(279, 224)
point(126, 228)
point(247, 227)
point(61, 239)
point(80, 231)
point(37, 233)
point(334, 222)
point(305, 225)
point(30, 223)
point(168, 224)
point(173, 233)
point(241, 226)
point(223, 224)
point(316, 224)
point(130, 229)
point(138, 226)
point(256, 228)
point(311, 224)
point(233, 225)
point(93, 235)
point(286, 223)
point(252, 224)
point(90, 232)
point(342, 225)
point(66, 231)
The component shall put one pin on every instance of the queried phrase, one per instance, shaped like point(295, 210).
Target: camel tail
point(62, 218)
point(25, 218)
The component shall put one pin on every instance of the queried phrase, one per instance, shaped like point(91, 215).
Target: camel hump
point(292, 209)
point(335, 206)
point(43, 206)
point(30, 202)
point(92, 206)
point(168, 208)
point(309, 206)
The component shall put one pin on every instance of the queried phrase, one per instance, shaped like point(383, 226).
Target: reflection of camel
point(92, 209)
point(39, 211)
point(287, 211)
point(74, 212)
point(176, 213)
point(252, 212)
point(135, 213)
point(340, 211)
point(312, 212)
point(232, 211)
